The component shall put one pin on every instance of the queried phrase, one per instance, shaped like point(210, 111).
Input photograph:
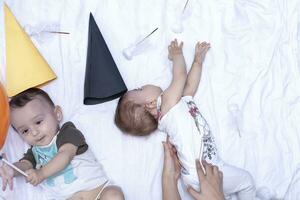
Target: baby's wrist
point(178, 58)
point(197, 63)
point(41, 174)
point(177, 55)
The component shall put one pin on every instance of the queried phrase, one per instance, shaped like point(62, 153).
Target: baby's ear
point(151, 108)
point(58, 113)
point(151, 105)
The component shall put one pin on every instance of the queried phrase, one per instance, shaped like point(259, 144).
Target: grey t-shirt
point(67, 134)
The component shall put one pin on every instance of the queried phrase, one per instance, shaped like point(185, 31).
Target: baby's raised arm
point(174, 92)
point(195, 72)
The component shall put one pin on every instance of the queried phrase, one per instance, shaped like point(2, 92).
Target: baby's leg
point(103, 192)
point(237, 181)
point(87, 195)
point(112, 192)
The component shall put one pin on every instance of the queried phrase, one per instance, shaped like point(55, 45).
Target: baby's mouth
point(39, 140)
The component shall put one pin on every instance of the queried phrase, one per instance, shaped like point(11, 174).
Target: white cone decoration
point(186, 12)
point(236, 117)
point(128, 52)
point(136, 48)
point(141, 44)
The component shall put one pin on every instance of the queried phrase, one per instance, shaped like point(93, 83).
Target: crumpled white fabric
point(253, 63)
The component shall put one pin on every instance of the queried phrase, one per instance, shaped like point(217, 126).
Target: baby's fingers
point(181, 45)
point(34, 182)
point(198, 45)
point(4, 183)
point(173, 44)
point(10, 183)
point(206, 48)
point(28, 179)
point(31, 180)
point(29, 175)
point(204, 45)
point(176, 43)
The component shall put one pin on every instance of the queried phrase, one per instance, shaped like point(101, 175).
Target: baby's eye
point(39, 122)
point(25, 131)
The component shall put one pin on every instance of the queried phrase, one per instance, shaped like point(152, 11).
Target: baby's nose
point(35, 132)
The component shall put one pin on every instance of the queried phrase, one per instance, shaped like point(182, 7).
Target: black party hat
point(103, 81)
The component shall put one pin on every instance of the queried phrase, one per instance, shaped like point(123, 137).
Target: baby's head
point(34, 116)
point(136, 113)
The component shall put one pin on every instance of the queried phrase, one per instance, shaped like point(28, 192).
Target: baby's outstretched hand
point(175, 49)
point(7, 174)
point(35, 176)
point(200, 51)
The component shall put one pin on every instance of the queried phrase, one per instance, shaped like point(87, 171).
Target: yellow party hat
point(25, 67)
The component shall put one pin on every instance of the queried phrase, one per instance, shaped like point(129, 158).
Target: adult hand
point(171, 172)
point(172, 165)
point(211, 183)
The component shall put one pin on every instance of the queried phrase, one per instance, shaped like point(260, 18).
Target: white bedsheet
point(249, 90)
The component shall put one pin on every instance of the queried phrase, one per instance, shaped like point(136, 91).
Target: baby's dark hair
point(133, 118)
point(28, 95)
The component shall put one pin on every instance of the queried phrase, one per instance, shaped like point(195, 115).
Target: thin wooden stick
point(59, 32)
point(187, 1)
point(147, 36)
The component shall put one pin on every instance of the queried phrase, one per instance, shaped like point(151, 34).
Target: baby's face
point(145, 94)
point(37, 122)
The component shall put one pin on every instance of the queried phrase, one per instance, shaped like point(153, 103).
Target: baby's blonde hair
point(133, 118)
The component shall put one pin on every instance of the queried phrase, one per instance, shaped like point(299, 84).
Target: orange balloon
point(4, 115)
